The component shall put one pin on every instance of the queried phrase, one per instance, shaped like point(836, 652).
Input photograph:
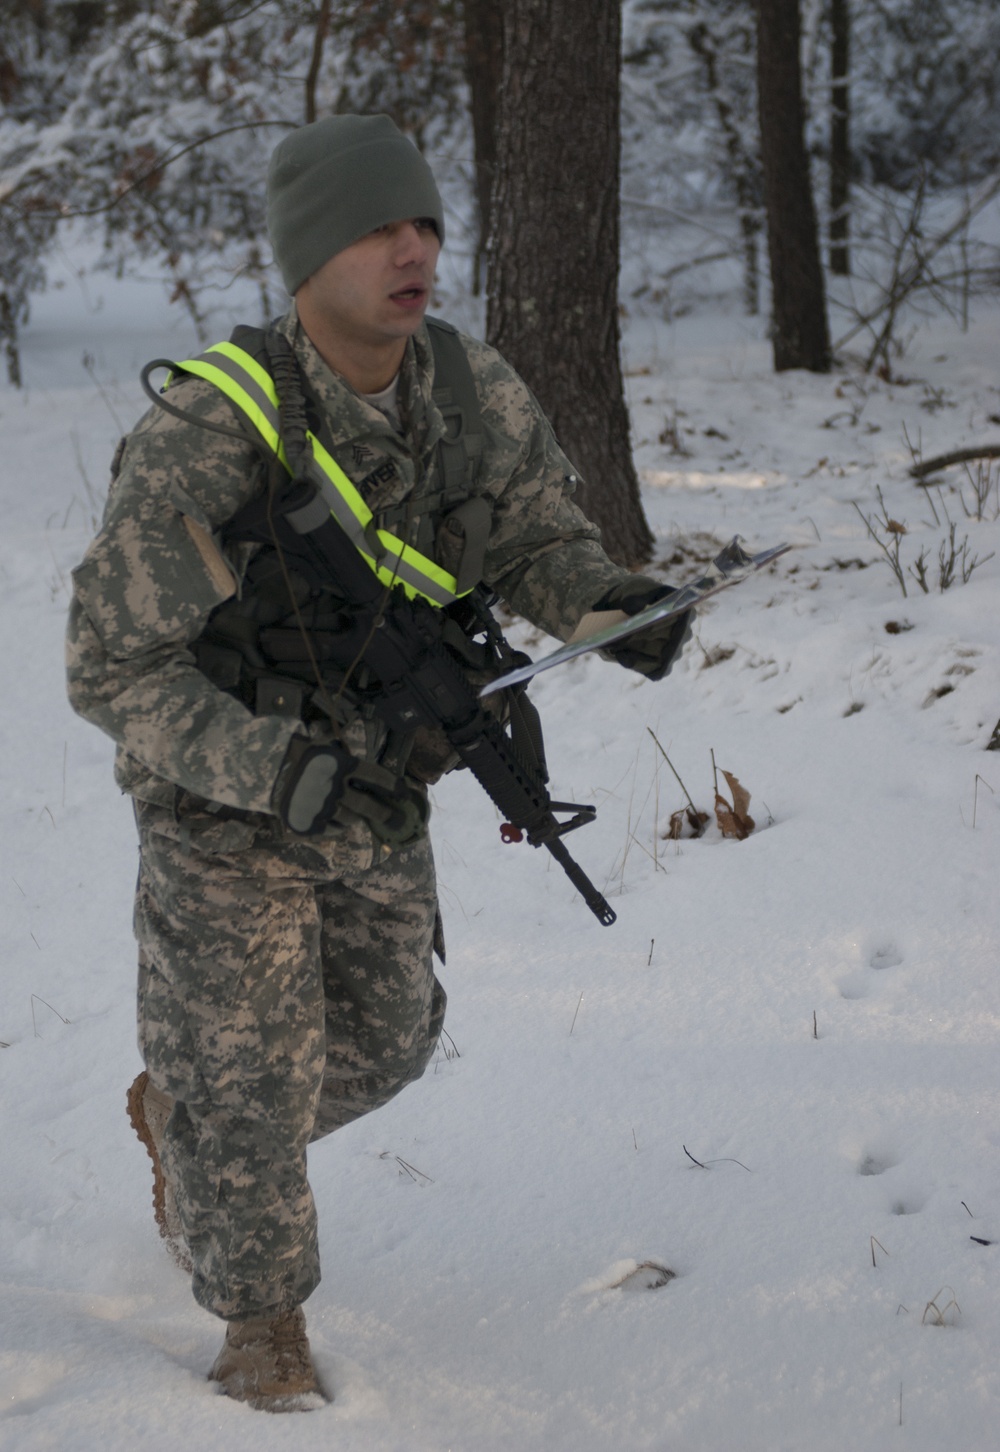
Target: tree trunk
point(840, 154)
point(800, 338)
point(8, 336)
point(483, 63)
point(553, 253)
point(316, 59)
point(744, 170)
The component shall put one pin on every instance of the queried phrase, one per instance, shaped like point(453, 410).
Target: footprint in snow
point(647, 1275)
point(876, 1162)
point(886, 956)
point(907, 1205)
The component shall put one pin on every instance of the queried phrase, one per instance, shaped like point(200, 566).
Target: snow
point(812, 1013)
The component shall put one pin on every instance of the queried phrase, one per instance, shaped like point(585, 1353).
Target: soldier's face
point(377, 290)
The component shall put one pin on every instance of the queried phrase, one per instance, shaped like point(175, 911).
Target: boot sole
point(137, 1118)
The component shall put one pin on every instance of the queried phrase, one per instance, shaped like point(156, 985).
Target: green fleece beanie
point(336, 180)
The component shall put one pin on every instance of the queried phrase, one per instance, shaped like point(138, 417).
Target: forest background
point(854, 145)
point(777, 1076)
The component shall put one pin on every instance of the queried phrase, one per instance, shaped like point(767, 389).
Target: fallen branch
point(957, 456)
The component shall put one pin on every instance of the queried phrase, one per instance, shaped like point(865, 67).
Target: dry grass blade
point(937, 1314)
point(690, 814)
point(723, 1160)
point(36, 999)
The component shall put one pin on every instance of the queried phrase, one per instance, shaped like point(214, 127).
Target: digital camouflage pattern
point(286, 984)
point(277, 1002)
point(154, 574)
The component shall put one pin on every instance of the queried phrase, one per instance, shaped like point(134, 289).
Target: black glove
point(320, 785)
point(652, 651)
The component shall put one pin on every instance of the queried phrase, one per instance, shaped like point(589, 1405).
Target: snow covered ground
point(812, 1013)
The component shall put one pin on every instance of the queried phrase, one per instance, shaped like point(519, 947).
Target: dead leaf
point(734, 821)
point(694, 819)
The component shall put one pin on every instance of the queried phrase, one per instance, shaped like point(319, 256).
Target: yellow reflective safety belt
point(251, 388)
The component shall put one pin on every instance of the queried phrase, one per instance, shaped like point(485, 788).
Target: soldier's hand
point(652, 651)
point(321, 785)
point(311, 785)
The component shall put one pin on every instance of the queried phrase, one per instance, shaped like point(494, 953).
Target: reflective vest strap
point(251, 388)
point(253, 396)
point(397, 563)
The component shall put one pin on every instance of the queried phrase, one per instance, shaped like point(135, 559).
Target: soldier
point(285, 910)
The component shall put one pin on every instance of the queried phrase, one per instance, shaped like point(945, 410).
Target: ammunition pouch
point(286, 659)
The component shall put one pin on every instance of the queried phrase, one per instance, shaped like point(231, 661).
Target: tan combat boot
point(149, 1109)
point(266, 1362)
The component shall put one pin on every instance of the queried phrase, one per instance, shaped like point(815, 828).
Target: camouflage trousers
point(281, 995)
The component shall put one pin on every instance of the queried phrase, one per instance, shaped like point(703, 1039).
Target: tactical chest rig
point(264, 647)
point(339, 616)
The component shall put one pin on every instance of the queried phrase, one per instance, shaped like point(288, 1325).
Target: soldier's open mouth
point(409, 296)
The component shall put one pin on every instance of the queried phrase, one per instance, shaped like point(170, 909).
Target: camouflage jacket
point(155, 572)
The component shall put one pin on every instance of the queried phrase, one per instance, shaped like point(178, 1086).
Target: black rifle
point(419, 682)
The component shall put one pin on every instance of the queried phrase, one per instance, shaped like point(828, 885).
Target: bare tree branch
point(151, 171)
